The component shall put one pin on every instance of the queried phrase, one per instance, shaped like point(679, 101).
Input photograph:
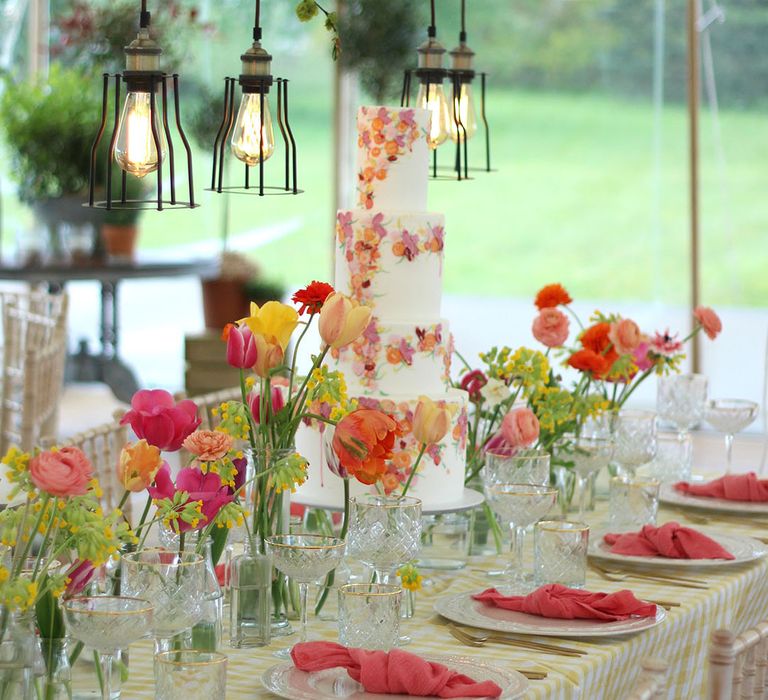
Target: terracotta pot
point(119, 240)
point(224, 301)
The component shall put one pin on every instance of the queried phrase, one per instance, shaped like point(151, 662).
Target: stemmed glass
point(304, 558)
point(174, 582)
point(384, 532)
point(108, 624)
point(730, 416)
point(634, 436)
point(520, 505)
point(589, 455)
point(524, 467)
point(680, 399)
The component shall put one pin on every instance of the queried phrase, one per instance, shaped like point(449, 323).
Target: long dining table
point(736, 597)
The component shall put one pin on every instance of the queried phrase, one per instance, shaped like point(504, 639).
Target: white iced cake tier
point(392, 158)
point(396, 358)
point(440, 476)
point(391, 261)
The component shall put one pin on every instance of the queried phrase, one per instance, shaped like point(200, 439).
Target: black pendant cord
point(432, 29)
point(463, 33)
point(257, 22)
point(144, 16)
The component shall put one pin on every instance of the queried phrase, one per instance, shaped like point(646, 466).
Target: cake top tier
point(392, 158)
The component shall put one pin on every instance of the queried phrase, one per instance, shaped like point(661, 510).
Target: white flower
point(494, 392)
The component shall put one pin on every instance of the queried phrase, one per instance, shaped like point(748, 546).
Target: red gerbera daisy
point(312, 297)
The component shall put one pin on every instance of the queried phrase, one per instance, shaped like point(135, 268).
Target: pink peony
point(625, 336)
point(520, 427)
point(551, 327)
point(64, 472)
point(208, 445)
point(254, 403)
point(709, 321)
point(158, 419)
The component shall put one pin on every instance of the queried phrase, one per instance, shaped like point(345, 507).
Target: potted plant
point(119, 228)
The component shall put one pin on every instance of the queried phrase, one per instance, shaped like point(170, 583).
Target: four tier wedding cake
point(390, 256)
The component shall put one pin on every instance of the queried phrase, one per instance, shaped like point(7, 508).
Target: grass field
point(575, 199)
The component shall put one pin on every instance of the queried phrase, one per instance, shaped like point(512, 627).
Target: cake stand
point(469, 499)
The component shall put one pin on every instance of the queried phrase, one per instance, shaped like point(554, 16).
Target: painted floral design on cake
point(385, 135)
point(409, 245)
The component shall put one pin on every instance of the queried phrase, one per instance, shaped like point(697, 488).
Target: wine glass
point(680, 399)
point(588, 456)
point(384, 532)
point(304, 558)
point(524, 467)
point(634, 436)
point(730, 416)
point(520, 505)
point(108, 624)
point(174, 582)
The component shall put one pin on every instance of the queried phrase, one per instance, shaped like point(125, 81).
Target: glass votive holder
point(633, 502)
point(190, 674)
point(674, 458)
point(560, 553)
point(369, 615)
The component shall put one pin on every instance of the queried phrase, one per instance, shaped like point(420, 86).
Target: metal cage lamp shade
point(141, 138)
point(249, 130)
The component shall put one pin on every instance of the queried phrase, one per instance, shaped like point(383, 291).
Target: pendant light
point(249, 133)
point(141, 139)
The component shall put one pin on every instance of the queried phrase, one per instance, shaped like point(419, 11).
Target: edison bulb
point(432, 98)
point(135, 149)
point(467, 114)
point(253, 140)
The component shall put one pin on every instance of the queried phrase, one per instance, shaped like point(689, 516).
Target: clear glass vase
point(250, 582)
point(19, 652)
point(56, 681)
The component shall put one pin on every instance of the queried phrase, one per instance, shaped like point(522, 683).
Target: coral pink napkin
point(391, 672)
point(557, 601)
point(670, 540)
point(732, 487)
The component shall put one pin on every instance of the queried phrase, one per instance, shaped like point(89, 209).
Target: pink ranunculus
point(208, 445)
point(63, 472)
point(551, 327)
point(625, 336)
point(254, 403)
point(158, 419)
point(520, 427)
point(78, 577)
point(709, 321)
point(497, 445)
point(641, 357)
point(206, 488)
point(241, 347)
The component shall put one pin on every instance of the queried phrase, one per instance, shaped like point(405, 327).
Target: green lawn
point(573, 200)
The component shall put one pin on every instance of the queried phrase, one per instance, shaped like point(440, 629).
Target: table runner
point(737, 598)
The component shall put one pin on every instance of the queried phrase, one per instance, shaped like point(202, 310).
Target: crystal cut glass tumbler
point(560, 552)
point(634, 502)
point(189, 674)
point(369, 615)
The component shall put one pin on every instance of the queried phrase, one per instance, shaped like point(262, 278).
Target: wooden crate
point(207, 370)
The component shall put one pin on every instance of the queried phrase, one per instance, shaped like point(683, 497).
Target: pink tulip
point(520, 427)
point(78, 577)
point(497, 445)
point(158, 419)
point(241, 347)
point(254, 403)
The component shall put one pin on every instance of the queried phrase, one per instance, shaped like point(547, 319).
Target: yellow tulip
point(342, 320)
point(274, 321)
point(268, 356)
point(431, 422)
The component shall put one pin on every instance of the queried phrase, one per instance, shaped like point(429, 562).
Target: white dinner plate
point(287, 681)
point(744, 549)
point(668, 494)
point(463, 609)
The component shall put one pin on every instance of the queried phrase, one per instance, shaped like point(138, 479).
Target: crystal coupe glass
point(730, 416)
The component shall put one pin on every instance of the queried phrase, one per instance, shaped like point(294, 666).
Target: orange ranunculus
point(552, 295)
point(139, 463)
point(625, 335)
point(363, 441)
point(589, 361)
point(342, 320)
point(709, 321)
point(208, 445)
point(431, 421)
point(597, 339)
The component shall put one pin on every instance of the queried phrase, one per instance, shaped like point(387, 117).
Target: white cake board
point(469, 499)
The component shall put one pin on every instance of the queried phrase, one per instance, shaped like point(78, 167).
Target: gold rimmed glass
point(520, 505)
point(108, 624)
point(530, 466)
point(173, 581)
point(633, 502)
point(730, 416)
point(190, 673)
point(369, 615)
point(560, 552)
point(634, 435)
point(305, 559)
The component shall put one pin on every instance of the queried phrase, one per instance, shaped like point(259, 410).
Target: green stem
point(295, 356)
point(144, 515)
point(343, 534)
point(415, 467)
point(46, 538)
point(463, 361)
point(33, 532)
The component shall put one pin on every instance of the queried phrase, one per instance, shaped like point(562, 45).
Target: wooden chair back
point(652, 683)
point(738, 665)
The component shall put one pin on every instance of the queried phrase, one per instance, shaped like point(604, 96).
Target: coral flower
point(709, 321)
point(241, 346)
point(597, 339)
point(551, 327)
point(158, 419)
point(665, 344)
point(552, 295)
point(63, 472)
point(520, 427)
point(208, 445)
point(363, 441)
point(589, 361)
point(625, 336)
point(312, 297)
point(431, 422)
point(139, 463)
point(342, 320)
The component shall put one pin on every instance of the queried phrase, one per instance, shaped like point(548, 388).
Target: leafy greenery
point(49, 130)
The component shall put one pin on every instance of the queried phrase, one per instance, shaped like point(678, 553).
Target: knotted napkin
point(671, 540)
point(557, 601)
point(732, 487)
point(391, 672)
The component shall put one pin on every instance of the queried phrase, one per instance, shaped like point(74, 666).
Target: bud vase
point(250, 586)
point(19, 650)
point(56, 682)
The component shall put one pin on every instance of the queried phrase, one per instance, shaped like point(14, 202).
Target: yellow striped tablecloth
point(737, 598)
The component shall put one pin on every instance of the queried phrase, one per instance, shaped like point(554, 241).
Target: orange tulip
point(363, 441)
point(342, 320)
point(138, 465)
point(431, 422)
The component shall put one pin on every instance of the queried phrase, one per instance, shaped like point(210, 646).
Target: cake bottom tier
point(439, 479)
